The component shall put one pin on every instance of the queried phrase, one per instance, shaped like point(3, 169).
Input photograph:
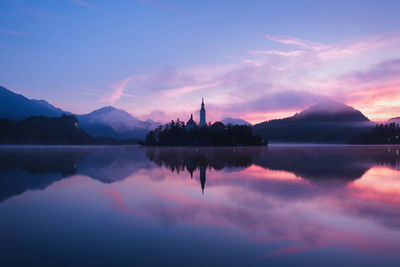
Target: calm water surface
point(302, 205)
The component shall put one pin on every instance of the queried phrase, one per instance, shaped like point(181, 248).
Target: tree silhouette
point(381, 134)
point(175, 133)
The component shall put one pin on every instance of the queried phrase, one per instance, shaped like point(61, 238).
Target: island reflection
point(281, 200)
point(318, 164)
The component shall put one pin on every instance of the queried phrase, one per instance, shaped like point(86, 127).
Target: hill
point(324, 122)
point(394, 120)
point(111, 122)
point(17, 107)
point(104, 122)
point(235, 121)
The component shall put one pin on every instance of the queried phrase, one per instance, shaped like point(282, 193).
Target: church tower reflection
point(200, 159)
point(203, 177)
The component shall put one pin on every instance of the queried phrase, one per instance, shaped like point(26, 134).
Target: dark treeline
point(381, 134)
point(176, 133)
point(41, 130)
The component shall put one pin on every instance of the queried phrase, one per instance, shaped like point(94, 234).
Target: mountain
point(330, 111)
point(104, 122)
point(111, 122)
point(50, 107)
point(235, 121)
point(17, 107)
point(394, 120)
point(324, 122)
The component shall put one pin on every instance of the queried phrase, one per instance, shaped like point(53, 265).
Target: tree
point(175, 134)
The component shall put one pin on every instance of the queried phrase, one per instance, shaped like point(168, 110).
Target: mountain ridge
point(324, 122)
point(235, 121)
point(114, 122)
point(393, 120)
point(107, 121)
point(331, 111)
point(15, 106)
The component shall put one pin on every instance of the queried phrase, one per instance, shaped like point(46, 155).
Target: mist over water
point(281, 205)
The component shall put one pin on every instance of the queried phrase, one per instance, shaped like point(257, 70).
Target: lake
point(275, 206)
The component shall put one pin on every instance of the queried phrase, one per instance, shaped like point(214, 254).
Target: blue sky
point(81, 55)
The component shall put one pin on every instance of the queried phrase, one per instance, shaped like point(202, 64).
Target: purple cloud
point(385, 70)
point(118, 91)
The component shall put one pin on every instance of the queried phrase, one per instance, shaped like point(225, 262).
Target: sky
point(256, 60)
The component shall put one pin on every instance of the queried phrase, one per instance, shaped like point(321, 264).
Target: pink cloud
point(118, 92)
point(116, 197)
point(374, 89)
point(266, 83)
point(182, 91)
point(296, 42)
point(315, 222)
point(277, 52)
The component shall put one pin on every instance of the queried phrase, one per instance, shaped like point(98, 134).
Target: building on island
point(190, 125)
point(202, 114)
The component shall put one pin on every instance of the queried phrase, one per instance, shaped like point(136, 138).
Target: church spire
point(202, 114)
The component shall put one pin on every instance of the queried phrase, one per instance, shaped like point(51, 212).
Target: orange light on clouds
point(379, 183)
point(378, 103)
point(258, 172)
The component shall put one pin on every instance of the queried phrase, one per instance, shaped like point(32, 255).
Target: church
point(191, 124)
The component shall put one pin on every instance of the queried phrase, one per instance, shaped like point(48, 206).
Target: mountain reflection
point(35, 168)
point(23, 169)
point(271, 201)
point(314, 163)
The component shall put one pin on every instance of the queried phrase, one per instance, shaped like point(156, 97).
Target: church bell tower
point(202, 114)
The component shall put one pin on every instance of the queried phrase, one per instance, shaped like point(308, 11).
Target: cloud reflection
point(295, 199)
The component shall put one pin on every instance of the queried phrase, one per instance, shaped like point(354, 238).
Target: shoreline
point(269, 145)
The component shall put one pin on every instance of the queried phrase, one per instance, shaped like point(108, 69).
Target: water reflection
point(318, 164)
point(276, 206)
point(323, 165)
point(32, 168)
point(192, 159)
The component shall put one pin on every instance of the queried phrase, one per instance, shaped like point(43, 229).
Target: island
point(179, 133)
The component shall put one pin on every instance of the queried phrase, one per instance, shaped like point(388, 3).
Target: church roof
point(191, 121)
